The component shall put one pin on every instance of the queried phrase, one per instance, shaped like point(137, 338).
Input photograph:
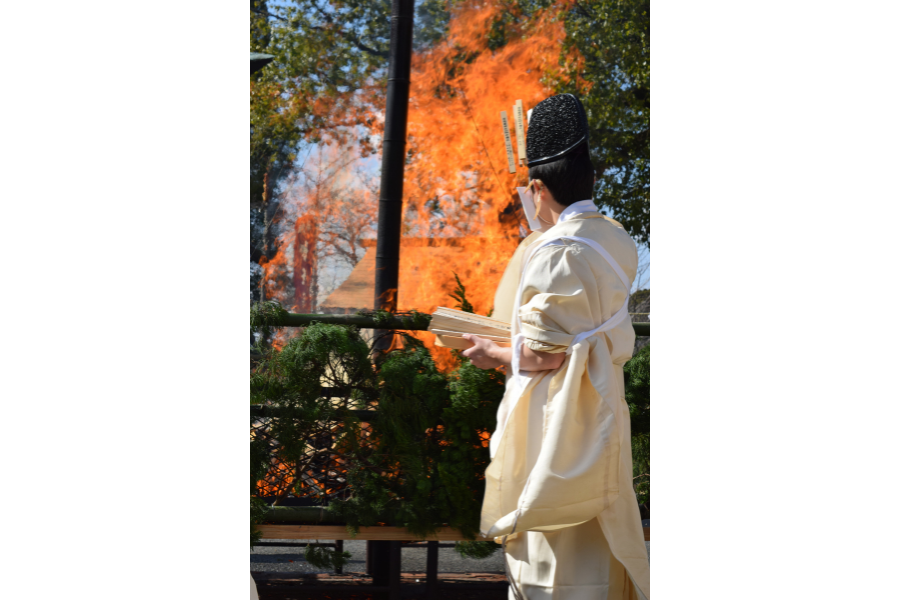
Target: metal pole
point(390, 214)
point(390, 203)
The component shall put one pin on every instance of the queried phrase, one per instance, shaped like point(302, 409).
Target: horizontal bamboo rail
point(418, 323)
point(301, 514)
point(263, 411)
point(314, 522)
point(288, 531)
point(340, 532)
point(363, 321)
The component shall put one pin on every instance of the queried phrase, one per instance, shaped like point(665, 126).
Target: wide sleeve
point(505, 296)
point(576, 474)
point(556, 304)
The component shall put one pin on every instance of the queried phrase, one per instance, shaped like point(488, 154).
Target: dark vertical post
point(390, 207)
point(339, 549)
point(394, 583)
point(390, 203)
point(431, 572)
point(380, 562)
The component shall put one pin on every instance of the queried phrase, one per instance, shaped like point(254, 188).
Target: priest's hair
point(569, 179)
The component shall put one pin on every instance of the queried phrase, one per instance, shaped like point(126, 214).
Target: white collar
point(577, 208)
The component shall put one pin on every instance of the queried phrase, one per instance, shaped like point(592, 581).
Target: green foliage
point(613, 82)
point(422, 467)
point(475, 395)
point(331, 356)
point(414, 319)
point(426, 467)
point(459, 294)
point(292, 381)
point(325, 51)
point(605, 61)
point(405, 460)
point(258, 508)
point(421, 464)
point(640, 454)
point(476, 549)
point(267, 314)
point(430, 24)
point(370, 498)
point(637, 394)
point(325, 558)
point(264, 317)
point(637, 390)
point(514, 21)
point(410, 320)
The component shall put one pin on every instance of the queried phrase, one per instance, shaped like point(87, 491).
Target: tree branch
point(583, 10)
point(268, 14)
point(353, 40)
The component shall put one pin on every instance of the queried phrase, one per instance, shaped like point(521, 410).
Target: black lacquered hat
point(558, 125)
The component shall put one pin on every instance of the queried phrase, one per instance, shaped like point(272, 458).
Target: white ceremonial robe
point(504, 298)
point(253, 594)
point(561, 471)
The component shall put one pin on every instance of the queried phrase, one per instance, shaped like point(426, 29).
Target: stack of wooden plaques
point(449, 325)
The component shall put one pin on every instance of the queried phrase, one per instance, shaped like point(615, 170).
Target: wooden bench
point(390, 537)
point(387, 539)
point(339, 532)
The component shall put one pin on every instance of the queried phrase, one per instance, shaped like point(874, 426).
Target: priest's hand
point(484, 354)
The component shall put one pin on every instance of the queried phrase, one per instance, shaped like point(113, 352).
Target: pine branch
point(459, 294)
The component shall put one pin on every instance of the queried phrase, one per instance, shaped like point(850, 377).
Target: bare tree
point(331, 202)
point(642, 276)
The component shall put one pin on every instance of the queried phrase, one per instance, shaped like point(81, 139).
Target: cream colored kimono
point(560, 479)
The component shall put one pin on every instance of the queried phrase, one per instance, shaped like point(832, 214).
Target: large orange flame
point(461, 209)
point(458, 190)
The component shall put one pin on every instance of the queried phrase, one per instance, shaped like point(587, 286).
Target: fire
point(274, 286)
point(485, 437)
point(459, 198)
point(325, 214)
point(459, 165)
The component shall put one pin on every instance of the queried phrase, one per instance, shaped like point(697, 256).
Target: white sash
point(519, 380)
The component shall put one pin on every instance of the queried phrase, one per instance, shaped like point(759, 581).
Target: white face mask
point(526, 196)
point(532, 207)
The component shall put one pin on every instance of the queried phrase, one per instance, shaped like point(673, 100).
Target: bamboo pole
point(300, 514)
point(363, 321)
point(286, 531)
point(262, 411)
point(419, 323)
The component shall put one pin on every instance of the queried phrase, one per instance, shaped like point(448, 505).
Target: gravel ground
point(290, 560)
point(286, 560)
